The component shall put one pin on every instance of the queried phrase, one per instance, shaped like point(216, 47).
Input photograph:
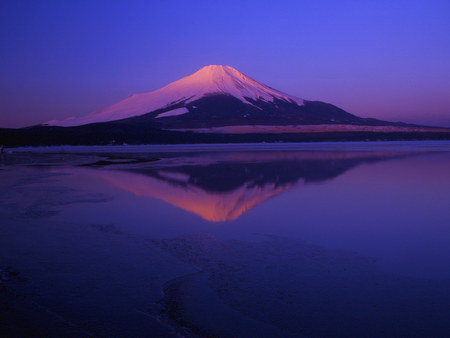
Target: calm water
point(319, 241)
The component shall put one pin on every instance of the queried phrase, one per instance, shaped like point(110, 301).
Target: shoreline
point(344, 145)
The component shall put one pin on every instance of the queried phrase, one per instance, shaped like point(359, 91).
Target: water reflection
point(221, 187)
point(355, 244)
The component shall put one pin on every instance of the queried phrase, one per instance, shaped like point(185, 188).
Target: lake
point(266, 240)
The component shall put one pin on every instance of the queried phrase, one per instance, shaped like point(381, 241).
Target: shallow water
point(278, 240)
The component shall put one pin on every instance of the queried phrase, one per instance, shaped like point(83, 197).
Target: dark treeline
point(97, 134)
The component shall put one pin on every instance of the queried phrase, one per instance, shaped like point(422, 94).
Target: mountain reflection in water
point(223, 186)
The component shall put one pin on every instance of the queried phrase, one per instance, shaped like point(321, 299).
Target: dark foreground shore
point(97, 134)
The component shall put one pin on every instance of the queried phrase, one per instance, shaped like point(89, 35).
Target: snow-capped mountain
point(221, 100)
point(217, 96)
point(209, 80)
point(216, 104)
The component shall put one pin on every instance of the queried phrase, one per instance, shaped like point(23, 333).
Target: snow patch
point(174, 112)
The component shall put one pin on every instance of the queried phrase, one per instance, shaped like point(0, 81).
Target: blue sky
point(384, 59)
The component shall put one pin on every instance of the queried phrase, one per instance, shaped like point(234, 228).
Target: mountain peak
point(214, 74)
point(216, 67)
point(218, 70)
point(222, 79)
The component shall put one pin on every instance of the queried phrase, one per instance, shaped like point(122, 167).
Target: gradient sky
point(382, 58)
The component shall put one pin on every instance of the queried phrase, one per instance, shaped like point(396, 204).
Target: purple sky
point(382, 58)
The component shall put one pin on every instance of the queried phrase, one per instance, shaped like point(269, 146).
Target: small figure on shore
point(2, 149)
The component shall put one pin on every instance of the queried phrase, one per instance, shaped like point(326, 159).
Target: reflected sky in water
point(392, 206)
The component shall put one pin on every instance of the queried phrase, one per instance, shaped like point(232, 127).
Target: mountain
point(223, 83)
point(216, 104)
point(218, 96)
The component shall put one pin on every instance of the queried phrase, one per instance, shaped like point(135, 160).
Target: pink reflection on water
point(273, 175)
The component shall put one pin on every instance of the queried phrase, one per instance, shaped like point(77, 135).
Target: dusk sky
point(384, 59)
